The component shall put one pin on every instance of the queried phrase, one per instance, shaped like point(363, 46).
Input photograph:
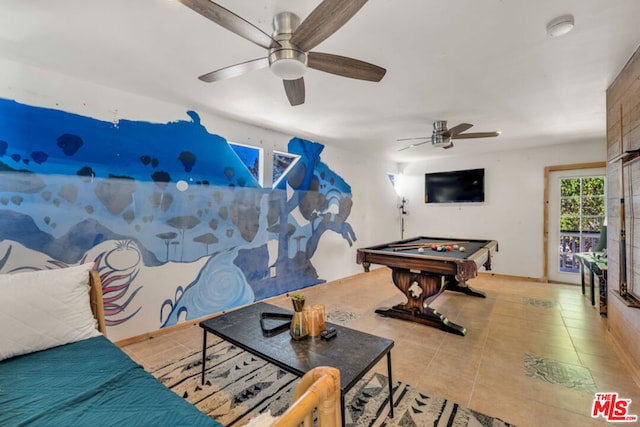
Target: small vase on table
point(298, 328)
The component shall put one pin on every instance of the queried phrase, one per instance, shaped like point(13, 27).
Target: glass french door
point(576, 216)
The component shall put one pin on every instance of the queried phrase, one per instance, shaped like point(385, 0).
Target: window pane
point(570, 206)
point(568, 246)
point(250, 156)
point(593, 186)
point(569, 223)
point(592, 224)
point(570, 187)
point(593, 205)
point(282, 164)
point(589, 244)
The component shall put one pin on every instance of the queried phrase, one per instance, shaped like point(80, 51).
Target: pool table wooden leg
point(456, 286)
point(420, 290)
point(427, 316)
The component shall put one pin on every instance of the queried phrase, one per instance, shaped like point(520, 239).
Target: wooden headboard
point(95, 299)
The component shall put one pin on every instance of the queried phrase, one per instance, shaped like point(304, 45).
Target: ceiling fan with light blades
point(443, 137)
point(290, 44)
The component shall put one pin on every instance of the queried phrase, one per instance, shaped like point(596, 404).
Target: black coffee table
point(352, 352)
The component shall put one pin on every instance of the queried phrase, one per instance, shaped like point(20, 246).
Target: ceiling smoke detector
point(560, 26)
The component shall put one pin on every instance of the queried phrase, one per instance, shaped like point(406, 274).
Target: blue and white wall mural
point(174, 222)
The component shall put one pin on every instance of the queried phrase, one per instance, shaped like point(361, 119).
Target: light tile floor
point(533, 356)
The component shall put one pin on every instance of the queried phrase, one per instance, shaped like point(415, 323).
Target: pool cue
point(424, 245)
point(623, 235)
point(623, 250)
point(408, 248)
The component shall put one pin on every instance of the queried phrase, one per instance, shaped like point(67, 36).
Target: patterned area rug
point(239, 386)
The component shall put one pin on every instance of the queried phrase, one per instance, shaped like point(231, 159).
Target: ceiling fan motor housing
point(286, 61)
point(440, 137)
point(439, 126)
point(439, 140)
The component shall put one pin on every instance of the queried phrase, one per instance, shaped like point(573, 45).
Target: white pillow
point(43, 309)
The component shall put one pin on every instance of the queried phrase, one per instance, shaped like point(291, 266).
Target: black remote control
point(328, 333)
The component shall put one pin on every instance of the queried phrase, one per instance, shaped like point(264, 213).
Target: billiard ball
point(448, 248)
point(455, 246)
point(462, 249)
point(420, 250)
point(434, 247)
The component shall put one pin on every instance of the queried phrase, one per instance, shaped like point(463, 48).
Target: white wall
point(513, 211)
point(374, 216)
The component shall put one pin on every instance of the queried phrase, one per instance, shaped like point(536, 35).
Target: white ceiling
point(486, 62)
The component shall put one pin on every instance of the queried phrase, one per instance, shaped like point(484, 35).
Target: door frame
point(545, 232)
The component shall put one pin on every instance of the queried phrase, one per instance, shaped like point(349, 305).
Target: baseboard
point(511, 277)
point(156, 333)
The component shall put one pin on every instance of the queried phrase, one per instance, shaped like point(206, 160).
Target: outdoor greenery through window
point(582, 213)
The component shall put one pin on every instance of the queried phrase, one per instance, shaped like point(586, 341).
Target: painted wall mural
point(175, 223)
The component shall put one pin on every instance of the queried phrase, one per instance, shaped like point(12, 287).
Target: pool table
point(423, 273)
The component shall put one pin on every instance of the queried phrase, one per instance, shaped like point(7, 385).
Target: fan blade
point(345, 67)
point(232, 22)
point(458, 129)
point(410, 139)
point(235, 70)
point(412, 145)
point(295, 91)
point(475, 135)
point(446, 147)
point(325, 20)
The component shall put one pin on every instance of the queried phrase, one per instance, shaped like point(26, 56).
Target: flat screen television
point(465, 186)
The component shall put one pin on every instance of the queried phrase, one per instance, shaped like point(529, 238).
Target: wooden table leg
point(204, 353)
point(390, 385)
point(420, 290)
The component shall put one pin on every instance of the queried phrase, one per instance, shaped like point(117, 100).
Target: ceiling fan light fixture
point(560, 26)
point(288, 67)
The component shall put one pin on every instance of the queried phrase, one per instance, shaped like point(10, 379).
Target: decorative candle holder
point(315, 319)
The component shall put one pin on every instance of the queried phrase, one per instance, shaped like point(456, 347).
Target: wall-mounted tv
point(465, 186)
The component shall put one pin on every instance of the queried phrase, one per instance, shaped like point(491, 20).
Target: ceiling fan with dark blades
point(443, 137)
point(290, 44)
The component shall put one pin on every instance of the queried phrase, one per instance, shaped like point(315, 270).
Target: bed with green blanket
point(57, 369)
point(88, 383)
